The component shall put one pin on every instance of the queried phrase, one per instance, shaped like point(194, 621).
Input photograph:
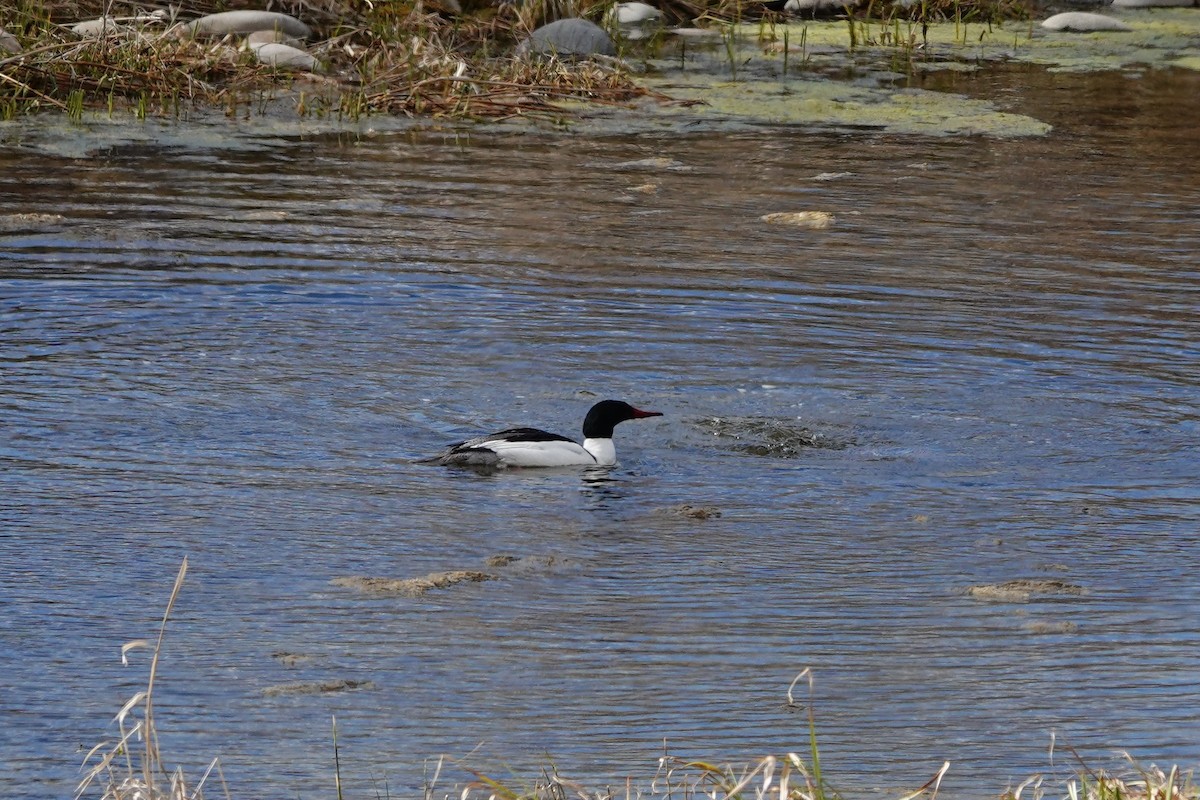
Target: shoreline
point(484, 65)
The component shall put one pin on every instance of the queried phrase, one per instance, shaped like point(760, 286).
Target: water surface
point(234, 352)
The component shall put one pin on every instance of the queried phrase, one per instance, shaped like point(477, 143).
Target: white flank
point(542, 454)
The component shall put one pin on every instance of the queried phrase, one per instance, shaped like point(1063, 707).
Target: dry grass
point(411, 57)
point(1138, 783)
point(151, 76)
point(397, 59)
point(799, 777)
point(131, 767)
point(792, 778)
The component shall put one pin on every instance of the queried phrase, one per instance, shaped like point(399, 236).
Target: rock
point(1021, 591)
point(814, 7)
point(1083, 22)
point(653, 163)
point(633, 21)
point(316, 687)
point(634, 13)
point(97, 28)
point(769, 437)
point(247, 22)
point(8, 42)
point(1152, 3)
point(411, 587)
point(569, 37)
point(800, 219)
point(28, 222)
point(273, 37)
point(283, 56)
point(689, 511)
point(529, 565)
point(290, 659)
point(696, 33)
point(1050, 627)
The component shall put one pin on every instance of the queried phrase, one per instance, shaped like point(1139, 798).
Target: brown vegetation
point(381, 58)
point(411, 57)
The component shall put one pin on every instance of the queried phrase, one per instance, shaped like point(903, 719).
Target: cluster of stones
point(276, 39)
point(581, 38)
point(635, 20)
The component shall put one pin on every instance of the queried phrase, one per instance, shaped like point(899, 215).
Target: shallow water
point(233, 352)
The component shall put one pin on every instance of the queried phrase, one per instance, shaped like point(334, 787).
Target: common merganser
point(531, 447)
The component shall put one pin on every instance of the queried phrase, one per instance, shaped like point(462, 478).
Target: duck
point(533, 447)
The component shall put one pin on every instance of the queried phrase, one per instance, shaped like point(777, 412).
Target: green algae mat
point(828, 74)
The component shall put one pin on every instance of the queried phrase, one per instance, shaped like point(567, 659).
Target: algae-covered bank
point(863, 74)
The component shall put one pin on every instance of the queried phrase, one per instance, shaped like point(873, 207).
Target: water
point(233, 352)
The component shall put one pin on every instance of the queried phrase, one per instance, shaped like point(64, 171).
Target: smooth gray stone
point(95, 28)
point(634, 13)
point(8, 42)
point(1152, 3)
point(569, 37)
point(695, 33)
point(282, 56)
point(273, 37)
point(248, 22)
point(1083, 22)
point(818, 6)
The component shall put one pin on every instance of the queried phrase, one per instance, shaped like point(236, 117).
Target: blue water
point(233, 353)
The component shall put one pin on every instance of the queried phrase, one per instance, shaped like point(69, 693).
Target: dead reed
point(380, 58)
point(131, 767)
point(451, 58)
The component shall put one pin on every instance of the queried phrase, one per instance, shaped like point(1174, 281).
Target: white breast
point(603, 450)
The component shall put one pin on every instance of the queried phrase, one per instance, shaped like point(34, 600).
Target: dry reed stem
point(141, 774)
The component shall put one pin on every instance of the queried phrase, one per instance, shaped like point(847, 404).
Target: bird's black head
point(607, 414)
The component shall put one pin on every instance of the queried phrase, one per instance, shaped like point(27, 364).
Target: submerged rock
point(247, 22)
point(1020, 591)
point(315, 687)
point(283, 56)
point(653, 163)
point(1050, 627)
point(411, 587)
point(25, 222)
point(288, 659)
point(569, 37)
point(689, 511)
point(1083, 22)
point(530, 565)
point(771, 438)
point(800, 219)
